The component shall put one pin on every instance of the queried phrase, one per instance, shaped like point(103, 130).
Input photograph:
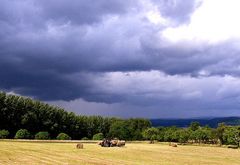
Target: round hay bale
point(114, 143)
point(79, 146)
point(121, 143)
point(174, 145)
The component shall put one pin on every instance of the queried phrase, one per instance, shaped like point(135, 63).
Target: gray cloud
point(218, 59)
point(82, 11)
point(179, 11)
point(33, 12)
point(40, 58)
point(95, 50)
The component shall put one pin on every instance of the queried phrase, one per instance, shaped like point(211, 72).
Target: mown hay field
point(14, 152)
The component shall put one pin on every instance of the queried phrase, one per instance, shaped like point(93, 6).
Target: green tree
point(119, 129)
point(171, 134)
point(4, 134)
point(151, 133)
point(220, 131)
point(194, 126)
point(183, 135)
point(161, 132)
point(22, 134)
point(42, 136)
point(136, 126)
point(98, 136)
point(63, 136)
point(231, 135)
point(202, 134)
point(214, 136)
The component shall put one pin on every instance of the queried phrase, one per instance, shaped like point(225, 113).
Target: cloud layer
point(162, 57)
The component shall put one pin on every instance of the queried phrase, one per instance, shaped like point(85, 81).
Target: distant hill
point(212, 122)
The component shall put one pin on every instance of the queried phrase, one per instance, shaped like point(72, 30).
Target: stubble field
point(14, 152)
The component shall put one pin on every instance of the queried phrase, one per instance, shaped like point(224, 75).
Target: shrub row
point(25, 134)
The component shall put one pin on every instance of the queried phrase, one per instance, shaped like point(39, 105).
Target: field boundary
point(49, 141)
point(96, 141)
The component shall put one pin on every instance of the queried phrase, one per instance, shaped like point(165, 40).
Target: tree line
point(223, 134)
point(22, 117)
point(18, 113)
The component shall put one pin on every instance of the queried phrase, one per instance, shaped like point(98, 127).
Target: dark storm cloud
point(35, 61)
point(218, 59)
point(82, 11)
point(41, 84)
point(75, 11)
point(166, 96)
point(63, 50)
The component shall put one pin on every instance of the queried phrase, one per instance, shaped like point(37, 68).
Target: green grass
point(15, 152)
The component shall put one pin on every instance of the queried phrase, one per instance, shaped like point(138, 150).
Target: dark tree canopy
point(22, 118)
point(24, 113)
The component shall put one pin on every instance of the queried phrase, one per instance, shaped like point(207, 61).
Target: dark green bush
point(85, 138)
point(4, 134)
point(42, 136)
point(63, 136)
point(22, 134)
point(98, 136)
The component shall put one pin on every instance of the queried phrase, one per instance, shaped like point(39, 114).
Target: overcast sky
point(125, 58)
